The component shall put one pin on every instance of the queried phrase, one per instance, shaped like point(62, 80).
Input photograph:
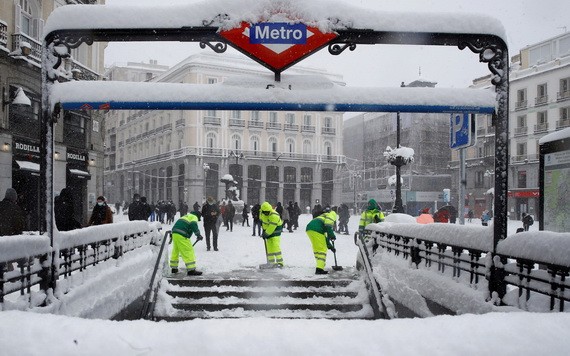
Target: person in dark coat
point(137, 209)
point(65, 212)
point(297, 214)
point(527, 221)
point(102, 213)
point(13, 221)
point(344, 217)
point(196, 206)
point(255, 217)
point(317, 210)
point(147, 208)
point(245, 216)
point(279, 209)
point(210, 213)
point(231, 213)
point(183, 208)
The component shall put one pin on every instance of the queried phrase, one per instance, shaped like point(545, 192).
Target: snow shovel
point(336, 267)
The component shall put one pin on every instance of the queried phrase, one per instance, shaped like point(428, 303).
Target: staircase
point(339, 295)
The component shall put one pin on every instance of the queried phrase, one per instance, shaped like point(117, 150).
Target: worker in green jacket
point(372, 214)
point(271, 225)
point(181, 246)
point(321, 234)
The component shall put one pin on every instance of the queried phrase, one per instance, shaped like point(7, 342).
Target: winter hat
point(210, 200)
point(100, 197)
point(11, 195)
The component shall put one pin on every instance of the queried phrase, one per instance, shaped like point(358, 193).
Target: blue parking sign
point(462, 131)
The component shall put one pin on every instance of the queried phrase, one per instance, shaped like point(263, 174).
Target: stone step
point(202, 282)
point(200, 294)
point(208, 307)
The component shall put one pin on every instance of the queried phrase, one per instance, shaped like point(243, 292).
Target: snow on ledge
point(269, 95)
point(317, 13)
point(541, 246)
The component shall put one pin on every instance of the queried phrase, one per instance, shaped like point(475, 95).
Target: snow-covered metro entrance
point(71, 26)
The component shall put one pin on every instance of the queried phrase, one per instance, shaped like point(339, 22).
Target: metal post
point(462, 184)
point(398, 204)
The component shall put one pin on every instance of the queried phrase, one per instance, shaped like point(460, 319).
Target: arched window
point(273, 145)
point(328, 148)
point(290, 145)
point(28, 18)
point(254, 143)
point(307, 147)
point(235, 142)
point(211, 140)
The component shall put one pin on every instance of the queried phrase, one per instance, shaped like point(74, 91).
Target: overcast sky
point(526, 22)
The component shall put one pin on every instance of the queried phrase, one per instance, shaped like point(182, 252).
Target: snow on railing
point(535, 264)
point(26, 264)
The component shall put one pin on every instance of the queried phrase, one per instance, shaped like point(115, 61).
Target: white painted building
point(182, 155)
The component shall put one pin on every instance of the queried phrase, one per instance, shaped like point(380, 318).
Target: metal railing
point(563, 95)
point(541, 100)
point(28, 261)
point(561, 124)
point(152, 291)
point(36, 46)
point(521, 131)
point(520, 105)
point(451, 250)
point(541, 127)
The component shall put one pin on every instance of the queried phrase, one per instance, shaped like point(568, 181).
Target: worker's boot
point(321, 271)
point(194, 273)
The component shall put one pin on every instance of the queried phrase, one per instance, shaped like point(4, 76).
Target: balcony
point(519, 159)
point(180, 123)
point(255, 124)
point(210, 120)
point(291, 127)
point(36, 55)
point(521, 131)
point(236, 122)
point(541, 128)
point(562, 124)
point(273, 126)
point(521, 105)
point(541, 100)
point(83, 73)
point(563, 95)
point(3, 34)
point(308, 128)
point(328, 131)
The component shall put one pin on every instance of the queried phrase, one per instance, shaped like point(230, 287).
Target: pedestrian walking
point(255, 211)
point(343, 218)
point(425, 217)
point(182, 230)
point(137, 209)
point(320, 232)
point(527, 221)
point(102, 213)
point(485, 218)
point(231, 213)
point(210, 214)
point(245, 215)
point(13, 221)
point(64, 211)
point(272, 225)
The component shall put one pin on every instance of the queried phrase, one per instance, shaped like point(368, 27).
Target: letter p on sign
point(461, 131)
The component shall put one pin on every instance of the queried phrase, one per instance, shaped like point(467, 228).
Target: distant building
point(366, 138)
point(78, 150)
point(183, 155)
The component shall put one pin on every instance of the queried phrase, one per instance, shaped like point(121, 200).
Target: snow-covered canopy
point(326, 15)
point(263, 93)
point(555, 136)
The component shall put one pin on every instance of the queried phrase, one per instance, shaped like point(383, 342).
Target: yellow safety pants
point(320, 249)
point(273, 246)
point(181, 246)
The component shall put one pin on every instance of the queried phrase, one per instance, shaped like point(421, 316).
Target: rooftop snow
point(308, 93)
point(315, 13)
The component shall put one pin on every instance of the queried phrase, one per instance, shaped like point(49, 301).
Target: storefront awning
point(28, 166)
point(80, 173)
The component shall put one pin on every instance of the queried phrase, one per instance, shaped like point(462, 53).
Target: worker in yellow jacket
point(181, 246)
point(271, 225)
point(321, 234)
point(372, 214)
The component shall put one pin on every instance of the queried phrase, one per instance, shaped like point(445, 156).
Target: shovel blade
point(337, 268)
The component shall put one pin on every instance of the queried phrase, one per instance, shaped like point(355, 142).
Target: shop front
point(77, 175)
point(26, 179)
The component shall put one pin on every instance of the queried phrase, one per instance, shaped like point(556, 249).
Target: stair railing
point(152, 291)
point(382, 307)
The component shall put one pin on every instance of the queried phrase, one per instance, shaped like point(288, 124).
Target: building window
point(212, 80)
point(307, 147)
point(564, 113)
point(290, 118)
point(521, 179)
point(328, 122)
point(236, 114)
point(521, 102)
point(521, 121)
point(290, 144)
point(328, 148)
point(255, 116)
point(521, 149)
point(211, 113)
point(273, 145)
point(254, 143)
point(307, 120)
point(273, 117)
point(540, 54)
point(236, 142)
point(211, 140)
point(541, 117)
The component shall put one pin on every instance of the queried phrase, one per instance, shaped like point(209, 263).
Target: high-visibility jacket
point(186, 226)
point(369, 217)
point(271, 224)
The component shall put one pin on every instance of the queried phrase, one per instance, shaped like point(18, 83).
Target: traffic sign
point(277, 44)
point(462, 131)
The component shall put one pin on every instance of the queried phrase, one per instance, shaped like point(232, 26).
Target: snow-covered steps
point(337, 297)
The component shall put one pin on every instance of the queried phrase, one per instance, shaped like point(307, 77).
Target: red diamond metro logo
point(277, 44)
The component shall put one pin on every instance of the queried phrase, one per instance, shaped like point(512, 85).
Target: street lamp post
point(206, 168)
point(398, 204)
point(354, 176)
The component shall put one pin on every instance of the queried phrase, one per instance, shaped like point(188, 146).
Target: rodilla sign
point(277, 45)
point(278, 32)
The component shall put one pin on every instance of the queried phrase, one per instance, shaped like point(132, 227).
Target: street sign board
point(462, 131)
point(277, 44)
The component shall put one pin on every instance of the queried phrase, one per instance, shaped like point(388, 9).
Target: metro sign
point(277, 44)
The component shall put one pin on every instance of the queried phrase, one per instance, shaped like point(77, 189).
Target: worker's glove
point(199, 238)
point(329, 244)
point(264, 236)
point(332, 238)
